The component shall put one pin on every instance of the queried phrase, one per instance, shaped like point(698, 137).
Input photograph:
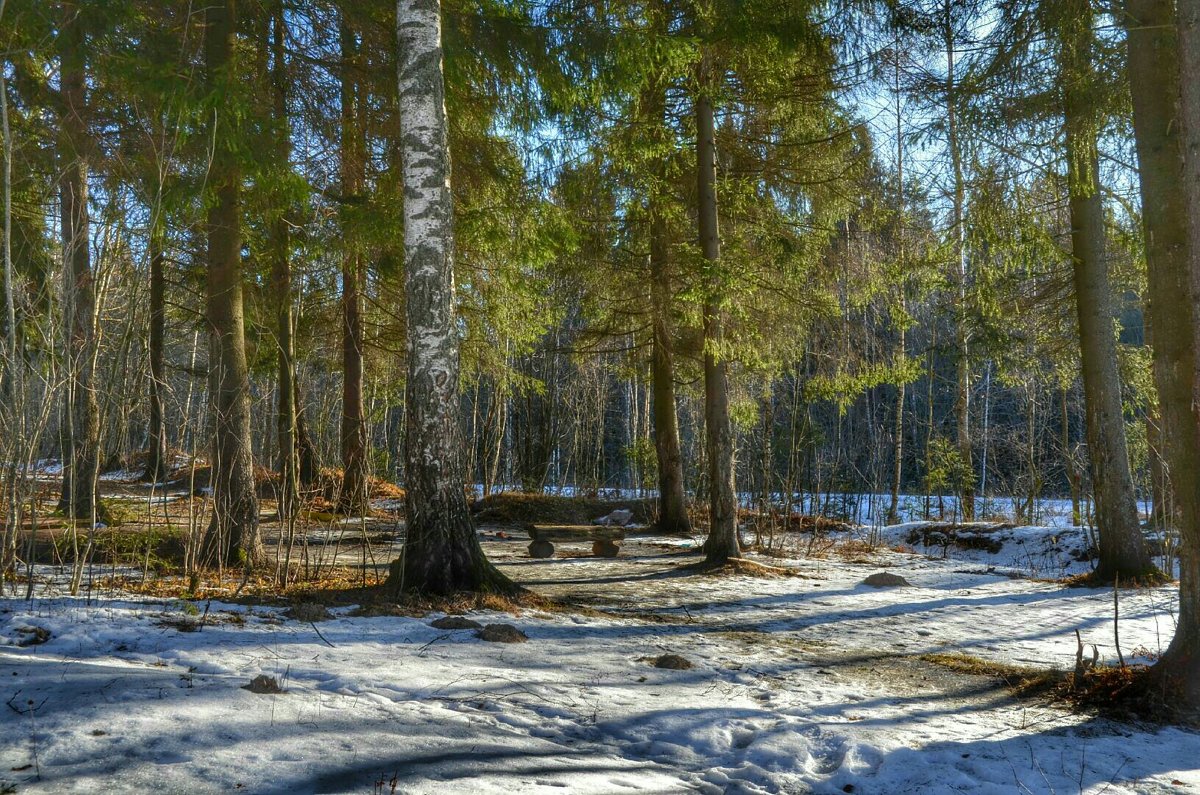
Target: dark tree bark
point(442, 553)
point(232, 535)
point(1123, 551)
point(12, 377)
point(353, 496)
point(962, 394)
point(1073, 475)
point(722, 542)
point(81, 451)
point(157, 461)
point(281, 283)
point(672, 502)
point(1164, 54)
point(306, 450)
point(893, 514)
point(1152, 422)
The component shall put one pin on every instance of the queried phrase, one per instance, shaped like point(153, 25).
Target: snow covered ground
point(811, 683)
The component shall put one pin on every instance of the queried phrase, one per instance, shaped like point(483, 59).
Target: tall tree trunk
point(722, 541)
point(306, 450)
point(232, 535)
point(1152, 422)
point(893, 514)
point(10, 307)
point(281, 283)
point(441, 553)
point(13, 386)
point(157, 462)
point(81, 454)
point(1162, 58)
point(672, 503)
point(353, 497)
point(962, 395)
point(1123, 551)
point(1069, 460)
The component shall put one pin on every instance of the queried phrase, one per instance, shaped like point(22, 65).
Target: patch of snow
point(121, 475)
point(790, 690)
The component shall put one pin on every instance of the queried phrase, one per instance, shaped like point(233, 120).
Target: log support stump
point(605, 548)
point(606, 541)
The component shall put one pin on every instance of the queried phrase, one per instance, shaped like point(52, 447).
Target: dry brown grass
point(1090, 580)
point(741, 567)
point(1131, 693)
point(374, 602)
point(1125, 693)
point(1021, 680)
point(340, 586)
point(855, 550)
point(259, 587)
point(796, 523)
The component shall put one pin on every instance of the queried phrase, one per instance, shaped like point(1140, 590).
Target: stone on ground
point(263, 684)
point(309, 611)
point(501, 633)
point(618, 518)
point(885, 579)
point(455, 622)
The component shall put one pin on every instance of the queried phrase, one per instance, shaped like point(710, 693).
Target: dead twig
point(319, 635)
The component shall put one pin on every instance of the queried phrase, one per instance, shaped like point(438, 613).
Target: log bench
point(606, 541)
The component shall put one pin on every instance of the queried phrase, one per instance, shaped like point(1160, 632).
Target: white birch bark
point(441, 552)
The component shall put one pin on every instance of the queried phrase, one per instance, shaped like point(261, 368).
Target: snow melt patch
point(802, 684)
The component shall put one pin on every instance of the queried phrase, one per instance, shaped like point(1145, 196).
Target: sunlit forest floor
point(791, 676)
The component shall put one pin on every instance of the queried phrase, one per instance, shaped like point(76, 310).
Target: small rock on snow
point(309, 611)
point(263, 684)
point(885, 579)
point(672, 661)
point(33, 635)
point(455, 622)
point(619, 518)
point(502, 633)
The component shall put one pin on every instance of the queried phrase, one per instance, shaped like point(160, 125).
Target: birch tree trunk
point(441, 553)
point(81, 453)
point(722, 542)
point(1123, 551)
point(232, 536)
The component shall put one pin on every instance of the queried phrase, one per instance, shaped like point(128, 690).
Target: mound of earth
point(960, 536)
point(885, 579)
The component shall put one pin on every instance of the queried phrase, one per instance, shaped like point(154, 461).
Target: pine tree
point(353, 496)
point(1122, 549)
point(81, 465)
point(233, 534)
point(1164, 59)
point(722, 542)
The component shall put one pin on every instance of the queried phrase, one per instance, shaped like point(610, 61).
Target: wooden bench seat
point(606, 540)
